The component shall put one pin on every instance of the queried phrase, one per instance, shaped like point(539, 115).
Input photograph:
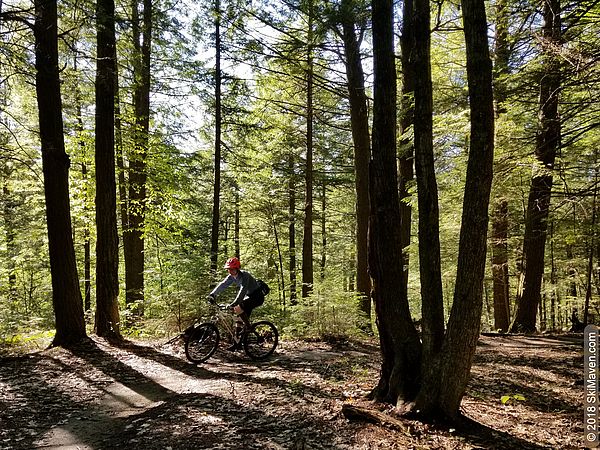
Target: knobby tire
point(202, 342)
point(261, 340)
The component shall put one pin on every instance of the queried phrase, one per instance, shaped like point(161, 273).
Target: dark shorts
point(252, 301)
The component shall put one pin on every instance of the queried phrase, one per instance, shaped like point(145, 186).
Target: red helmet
point(233, 263)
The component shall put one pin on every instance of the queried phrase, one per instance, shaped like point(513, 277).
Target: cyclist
point(249, 296)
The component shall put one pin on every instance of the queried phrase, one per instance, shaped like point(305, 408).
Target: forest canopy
point(246, 105)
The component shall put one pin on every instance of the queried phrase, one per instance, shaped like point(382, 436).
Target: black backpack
point(264, 287)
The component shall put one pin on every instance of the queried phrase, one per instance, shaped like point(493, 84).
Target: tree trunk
point(406, 153)
point(445, 380)
point(11, 234)
point(400, 346)
point(499, 242)
point(107, 244)
point(66, 295)
point(134, 236)
point(500, 266)
point(307, 238)
point(323, 227)
point(214, 238)
point(236, 224)
point(429, 240)
point(292, 230)
point(501, 56)
point(359, 120)
point(553, 280)
point(547, 143)
point(123, 189)
point(591, 249)
point(87, 257)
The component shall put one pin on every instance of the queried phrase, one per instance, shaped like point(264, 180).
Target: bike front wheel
point(202, 342)
point(260, 341)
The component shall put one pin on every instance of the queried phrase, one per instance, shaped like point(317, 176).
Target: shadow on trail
point(237, 367)
point(39, 400)
point(518, 365)
point(211, 421)
point(485, 437)
point(167, 360)
point(50, 396)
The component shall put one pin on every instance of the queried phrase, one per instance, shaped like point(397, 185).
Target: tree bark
point(137, 198)
point(400, 346)
point(236, 223)
point(591, 249)
point(10, 231)
point(66, 295)
point(445, 379)
point(359, 121)
point(499, 242)
point(214, 239)
point(292, 230)
point(87, 255)
point(406, 153)
point(323, 227)
point(427, 191)
point(307, 238)
point(501, 55)
point(107, 244)
point(500, 266)
point(547, 143)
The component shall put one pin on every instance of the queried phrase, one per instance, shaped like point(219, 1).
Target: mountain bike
point(258, 340)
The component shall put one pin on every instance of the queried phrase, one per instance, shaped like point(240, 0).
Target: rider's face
point(233, 272)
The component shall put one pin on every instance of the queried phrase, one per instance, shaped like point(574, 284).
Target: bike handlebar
point(213, 301)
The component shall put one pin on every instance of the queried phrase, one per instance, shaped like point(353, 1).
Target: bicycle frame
point(221, 319)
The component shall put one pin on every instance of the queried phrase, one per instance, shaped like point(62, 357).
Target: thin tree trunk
point(400, 345)
point(427, 191)
point(107, 245)
point(501, 56)
point(323, 228)
point(11, 234)
point(500, 266)
point(590, 267)
point(292, 230)
point(87, 257)
point(307, 238)
point(236, 225)
point(538, 205)
point(499, 242)
point(280, 274)
point(553, 279)
point(406, 153)
point(445, 380)
point(359, 120)
point(214, 239)
point(352, 273)
point(123, 188)
point(66, 295)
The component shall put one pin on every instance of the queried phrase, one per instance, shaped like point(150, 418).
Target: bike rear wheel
point(260, 341)
point(202, 342)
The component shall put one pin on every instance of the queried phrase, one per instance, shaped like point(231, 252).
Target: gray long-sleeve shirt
point(244, 280)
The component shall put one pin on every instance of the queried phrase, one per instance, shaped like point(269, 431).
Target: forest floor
point(146, 395)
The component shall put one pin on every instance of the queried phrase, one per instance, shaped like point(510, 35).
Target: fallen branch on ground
point(359, 413)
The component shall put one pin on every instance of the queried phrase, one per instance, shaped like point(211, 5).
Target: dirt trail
point(148, 396)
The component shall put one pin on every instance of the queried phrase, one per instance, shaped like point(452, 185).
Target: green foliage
point(328, 314)
point(511, 399)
